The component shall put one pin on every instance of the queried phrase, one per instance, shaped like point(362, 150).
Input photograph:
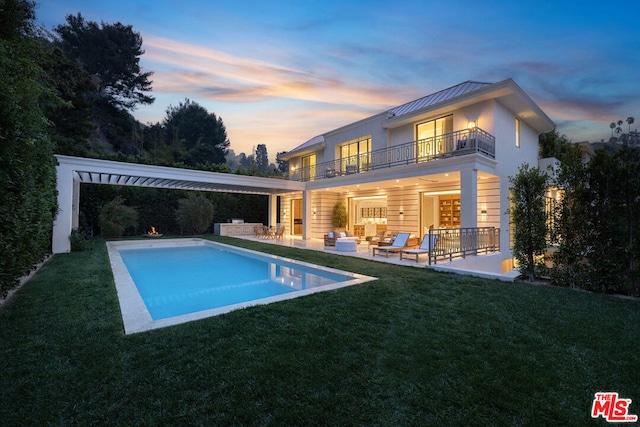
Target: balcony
point(458, 143)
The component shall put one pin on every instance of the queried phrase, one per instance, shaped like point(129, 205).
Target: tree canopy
point(111, 54)
point(201, 134)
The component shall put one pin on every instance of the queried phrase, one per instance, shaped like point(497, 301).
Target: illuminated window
point(308, 168)
point(517, 132)
point(356, 153)
point(431, 137)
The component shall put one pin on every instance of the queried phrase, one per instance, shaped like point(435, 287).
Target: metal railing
point(459, 242)
point(457, 143)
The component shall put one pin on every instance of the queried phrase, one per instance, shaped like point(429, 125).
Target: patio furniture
point(331, 237)
point(279, 234)
point(426, 246)
point(399, 243)
point(269, 232)
point(388, 241)
point(345, 244)
point(259, 231)
point(379, 237)
point(351, 169)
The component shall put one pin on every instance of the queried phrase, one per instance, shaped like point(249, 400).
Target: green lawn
point(413, 348)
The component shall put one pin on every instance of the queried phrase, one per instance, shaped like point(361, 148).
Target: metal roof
point(438, 97)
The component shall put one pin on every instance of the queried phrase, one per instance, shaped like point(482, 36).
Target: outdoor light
point(471, 124)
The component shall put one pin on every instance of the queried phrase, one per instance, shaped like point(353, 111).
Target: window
point(308, 171)
point(432, 138)
point(517, 132)
point(356, 153)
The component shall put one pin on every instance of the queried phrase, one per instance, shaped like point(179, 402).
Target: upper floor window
point(356, 153)
point(431, 139)
point(308, 171)
point(517, 132)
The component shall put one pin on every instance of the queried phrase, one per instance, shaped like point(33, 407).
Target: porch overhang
point(453, 165)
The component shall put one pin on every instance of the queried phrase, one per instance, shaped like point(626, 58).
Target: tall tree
point(262, 159)
point(202, 134)
point(529, 218)
point(72, 118)
point(111, 54)
point(283, 165)
point(27, 166)
point(571, 231)
point(552, 144)
point(631, 138)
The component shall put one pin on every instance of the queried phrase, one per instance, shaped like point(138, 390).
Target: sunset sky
point(281, 72)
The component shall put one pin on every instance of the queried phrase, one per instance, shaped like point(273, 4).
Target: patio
point(476, 266)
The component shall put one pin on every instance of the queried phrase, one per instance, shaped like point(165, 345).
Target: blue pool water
point(181, 280)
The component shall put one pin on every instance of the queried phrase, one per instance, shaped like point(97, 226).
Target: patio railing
point(460, 242)
point(457, 143)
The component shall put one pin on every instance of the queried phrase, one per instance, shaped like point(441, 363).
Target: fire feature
point(153, 233)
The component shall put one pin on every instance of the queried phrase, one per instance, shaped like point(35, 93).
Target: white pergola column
point(469, 198)
point(273, 210)
point(63, 224)
point(306, 214)
point(75, 212)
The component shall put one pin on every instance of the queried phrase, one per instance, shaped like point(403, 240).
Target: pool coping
point(136, 317)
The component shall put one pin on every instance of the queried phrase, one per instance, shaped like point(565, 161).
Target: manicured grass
point(413, 348)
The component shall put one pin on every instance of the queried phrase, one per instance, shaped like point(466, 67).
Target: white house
point(441, 161)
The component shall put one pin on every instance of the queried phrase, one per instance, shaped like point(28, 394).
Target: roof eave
point(532, 114)
point(302, 151)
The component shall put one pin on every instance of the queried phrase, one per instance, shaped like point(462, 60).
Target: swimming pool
point(172, 281)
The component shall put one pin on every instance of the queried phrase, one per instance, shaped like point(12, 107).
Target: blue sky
point(281, 72)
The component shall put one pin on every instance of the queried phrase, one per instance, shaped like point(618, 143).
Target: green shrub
point(27, 166)
point(339, 215)
point(78, 241)
point(194, 214)
point(115, 218)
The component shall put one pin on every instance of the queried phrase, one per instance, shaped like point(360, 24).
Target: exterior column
point(468, 198)
point(273, 213)
point(306, 214)
point(75, 215)
point(63, 224)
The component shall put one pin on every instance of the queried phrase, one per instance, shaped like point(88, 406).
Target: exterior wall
point(323, 202)
point(489, 200)
point(482, 114)
point(371, 127)
point(510, 158)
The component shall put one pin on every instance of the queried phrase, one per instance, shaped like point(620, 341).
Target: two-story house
point(441, 161)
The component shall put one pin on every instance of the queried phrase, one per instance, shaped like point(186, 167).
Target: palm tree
point(630, 121)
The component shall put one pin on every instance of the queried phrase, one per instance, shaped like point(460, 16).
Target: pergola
point(72, 171)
